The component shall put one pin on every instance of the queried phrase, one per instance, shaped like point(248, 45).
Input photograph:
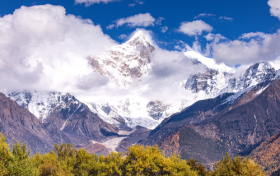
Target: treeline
point(65, 160)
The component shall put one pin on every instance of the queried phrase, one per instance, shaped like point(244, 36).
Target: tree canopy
point(65, 160)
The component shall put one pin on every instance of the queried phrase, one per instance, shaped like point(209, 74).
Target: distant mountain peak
point(256, 73)
point(260, 67)
point(139, 35)
point(139, 38)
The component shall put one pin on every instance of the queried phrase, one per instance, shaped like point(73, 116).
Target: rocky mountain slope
point(75, 118)
point(69, 121)
point(18, 123)
point(237, 129)
point(268, 154)
point(204, 84)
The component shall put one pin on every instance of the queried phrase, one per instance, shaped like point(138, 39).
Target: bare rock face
point(18, 123)
point(125, 62)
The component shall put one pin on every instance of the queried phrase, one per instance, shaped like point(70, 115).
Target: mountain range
point(225, 112)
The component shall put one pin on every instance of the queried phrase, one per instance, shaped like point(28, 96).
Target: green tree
point(86, 164)
point(237, 166)
point(6, 155)
point(151, 162)
point(111, 165)
point(21, 164)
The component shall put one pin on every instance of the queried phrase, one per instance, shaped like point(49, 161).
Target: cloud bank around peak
point(194, 28)
point(90, 2)
point(139, 20)
point(42, 48)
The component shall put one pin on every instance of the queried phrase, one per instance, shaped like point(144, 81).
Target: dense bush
point(65, 160)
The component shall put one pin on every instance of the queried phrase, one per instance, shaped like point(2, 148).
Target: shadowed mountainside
point(237, 129)
point(75, 118)
point(18, 123)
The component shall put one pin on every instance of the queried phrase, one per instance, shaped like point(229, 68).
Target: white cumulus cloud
point(42, 48)
point(143, 20)
point(255, 48)
point(194, 28)
point(274, 8)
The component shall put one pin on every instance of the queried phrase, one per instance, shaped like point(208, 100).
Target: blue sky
point(246, 16)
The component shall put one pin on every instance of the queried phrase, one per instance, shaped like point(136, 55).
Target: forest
point(65, 160)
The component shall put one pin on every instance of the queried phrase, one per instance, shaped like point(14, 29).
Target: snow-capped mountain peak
point(139, 37)
point(215, 82)
point(259, 72)
point(125, 62)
